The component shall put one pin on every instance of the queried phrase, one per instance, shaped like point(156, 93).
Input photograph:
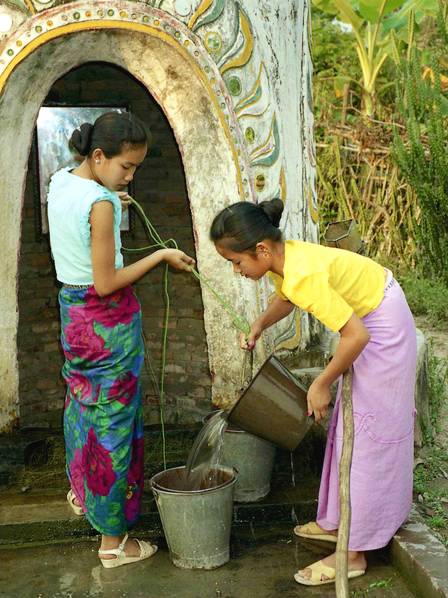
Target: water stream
point(204, 459)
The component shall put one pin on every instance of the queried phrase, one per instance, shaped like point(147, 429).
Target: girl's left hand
point(178, 259)
point(318, 399)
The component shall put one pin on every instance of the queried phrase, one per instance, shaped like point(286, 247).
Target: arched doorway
point(212, 175)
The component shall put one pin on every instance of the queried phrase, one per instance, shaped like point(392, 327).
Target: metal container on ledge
point(253, 459)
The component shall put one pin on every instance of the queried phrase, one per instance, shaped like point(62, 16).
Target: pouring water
point(205, 455)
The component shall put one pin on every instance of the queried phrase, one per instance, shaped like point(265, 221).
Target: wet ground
point(262, 566)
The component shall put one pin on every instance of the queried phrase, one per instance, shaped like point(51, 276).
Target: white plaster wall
point(282, 42)
point(282, 31)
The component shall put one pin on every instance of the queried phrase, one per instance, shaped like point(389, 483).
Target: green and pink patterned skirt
point(103, 424)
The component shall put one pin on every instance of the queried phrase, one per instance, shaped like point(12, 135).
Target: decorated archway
point(230, 130)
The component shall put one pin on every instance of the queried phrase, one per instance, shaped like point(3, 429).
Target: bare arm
point(106, 278)
point(354, 337)
point(277, 310)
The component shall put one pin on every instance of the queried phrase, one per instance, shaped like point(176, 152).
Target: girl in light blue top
point(101, 331)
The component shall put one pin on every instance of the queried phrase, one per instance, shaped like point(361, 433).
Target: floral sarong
point(103, 423)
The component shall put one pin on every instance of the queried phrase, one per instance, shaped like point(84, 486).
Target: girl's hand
point(125, 199)
point(178, 259)
point(318, 399)
point(248, 342)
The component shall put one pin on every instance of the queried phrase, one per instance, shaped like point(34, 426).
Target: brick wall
point(160, 188)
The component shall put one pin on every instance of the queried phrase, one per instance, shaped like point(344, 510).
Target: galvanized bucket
point(253, 459)
point(344, 235)
point(196, 522)
point(273, 406)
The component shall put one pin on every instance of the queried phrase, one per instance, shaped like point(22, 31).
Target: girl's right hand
point(248, 342)
point(178, 259)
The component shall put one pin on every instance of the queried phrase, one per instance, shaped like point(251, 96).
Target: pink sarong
point(383, 406)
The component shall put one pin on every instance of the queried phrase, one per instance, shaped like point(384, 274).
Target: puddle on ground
point(262, 565)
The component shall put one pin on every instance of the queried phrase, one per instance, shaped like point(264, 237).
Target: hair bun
point(81, 139)
point(273, 209)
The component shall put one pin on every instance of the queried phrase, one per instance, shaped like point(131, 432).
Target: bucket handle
point(155, 492)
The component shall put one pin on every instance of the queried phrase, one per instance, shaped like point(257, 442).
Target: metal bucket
point(273, 406)
point(344, 235)
point(196, 522)
point(253, 459)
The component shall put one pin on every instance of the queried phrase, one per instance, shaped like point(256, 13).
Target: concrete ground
point(263, 560)
point(262, 566)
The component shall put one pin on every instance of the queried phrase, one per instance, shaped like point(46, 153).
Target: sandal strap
point(318, 569)
point(312, 528)
point(146, 549)
point(141, 545)
point(115, 551)
point(123, 542)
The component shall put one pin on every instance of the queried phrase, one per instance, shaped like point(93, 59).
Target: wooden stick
point(344, 488)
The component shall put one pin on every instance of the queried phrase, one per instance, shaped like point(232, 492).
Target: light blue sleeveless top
point(70, 200)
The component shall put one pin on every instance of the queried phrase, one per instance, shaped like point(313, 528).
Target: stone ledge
point(27, 520)
point(421, 559)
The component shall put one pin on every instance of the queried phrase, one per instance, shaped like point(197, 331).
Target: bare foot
point(356, 562)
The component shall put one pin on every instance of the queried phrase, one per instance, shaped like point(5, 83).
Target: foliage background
point(360, 175)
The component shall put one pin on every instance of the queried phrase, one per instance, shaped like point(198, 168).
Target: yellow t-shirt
point(330, 283)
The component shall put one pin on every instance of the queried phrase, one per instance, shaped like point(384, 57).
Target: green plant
point(437, 521)
point(420, 148)
point(377, 26)
point(437, 387)
point(355, 181)
point(356, 174)
point(426, 296)
point(334, 65)
point(423, 160)
point(380, 584)
point(431, 467)
point(430, 471)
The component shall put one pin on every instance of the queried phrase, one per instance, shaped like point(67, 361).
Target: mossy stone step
point(45, 517)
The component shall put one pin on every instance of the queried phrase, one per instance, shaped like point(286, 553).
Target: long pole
point(344, 488)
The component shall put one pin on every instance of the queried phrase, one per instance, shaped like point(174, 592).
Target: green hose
point(239, 322)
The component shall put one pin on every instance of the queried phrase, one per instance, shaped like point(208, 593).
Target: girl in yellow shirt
point(361, 300)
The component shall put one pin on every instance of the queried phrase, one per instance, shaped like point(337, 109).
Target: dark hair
point(244, 224)
point(110, 133)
